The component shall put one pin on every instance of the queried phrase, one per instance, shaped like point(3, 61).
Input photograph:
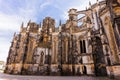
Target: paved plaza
point(18, 77)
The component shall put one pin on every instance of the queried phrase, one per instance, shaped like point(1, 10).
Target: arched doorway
point(108, 61)
point(98, 57)
point(84, 70)
point(78, 71)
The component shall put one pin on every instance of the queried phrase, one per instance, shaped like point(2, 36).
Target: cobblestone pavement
point(18, 77)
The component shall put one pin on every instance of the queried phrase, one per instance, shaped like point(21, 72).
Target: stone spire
point(29, 22)
point(97, 1)
point(40, 28)
point(22, 25)
point(60, 23)
point(40, 24)
point(14, 34)
point(90, 4)
point(28, 25)
point(86, 7)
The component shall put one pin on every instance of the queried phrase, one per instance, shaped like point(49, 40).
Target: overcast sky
point(14, 12)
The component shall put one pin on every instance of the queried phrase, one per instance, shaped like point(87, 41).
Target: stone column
point(66, 50)
point(53, 52)
point(86, 45)
point(44, 57)
point(78, 46)
point(56, 51)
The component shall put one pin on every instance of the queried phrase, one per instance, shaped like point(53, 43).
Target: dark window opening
point(82, 46)
point(81, 61)
point(108, 61)
point(118, 23)
point(41, 39)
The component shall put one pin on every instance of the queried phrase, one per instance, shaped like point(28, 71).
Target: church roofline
point(92, 6)
point(100, 3)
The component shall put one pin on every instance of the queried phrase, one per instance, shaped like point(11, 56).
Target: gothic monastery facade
point(92, 48)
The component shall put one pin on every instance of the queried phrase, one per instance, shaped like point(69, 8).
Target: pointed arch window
point(82, 46)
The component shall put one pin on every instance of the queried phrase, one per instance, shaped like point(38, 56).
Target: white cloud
point(4, 47)
point(8, 22)
point(44, 5)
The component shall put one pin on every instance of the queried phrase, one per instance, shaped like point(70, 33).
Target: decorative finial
point(86, 7)
point(89, 3)
point(97, 1)
point(22, 25)
point(60, 23)
point(29, 22)
point(28, 25)
point(14, 34)
point(40, 24)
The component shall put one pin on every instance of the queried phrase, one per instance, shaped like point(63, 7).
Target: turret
point(73, 14)
point(73, 17)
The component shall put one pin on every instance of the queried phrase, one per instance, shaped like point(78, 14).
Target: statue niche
point(41, 58)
